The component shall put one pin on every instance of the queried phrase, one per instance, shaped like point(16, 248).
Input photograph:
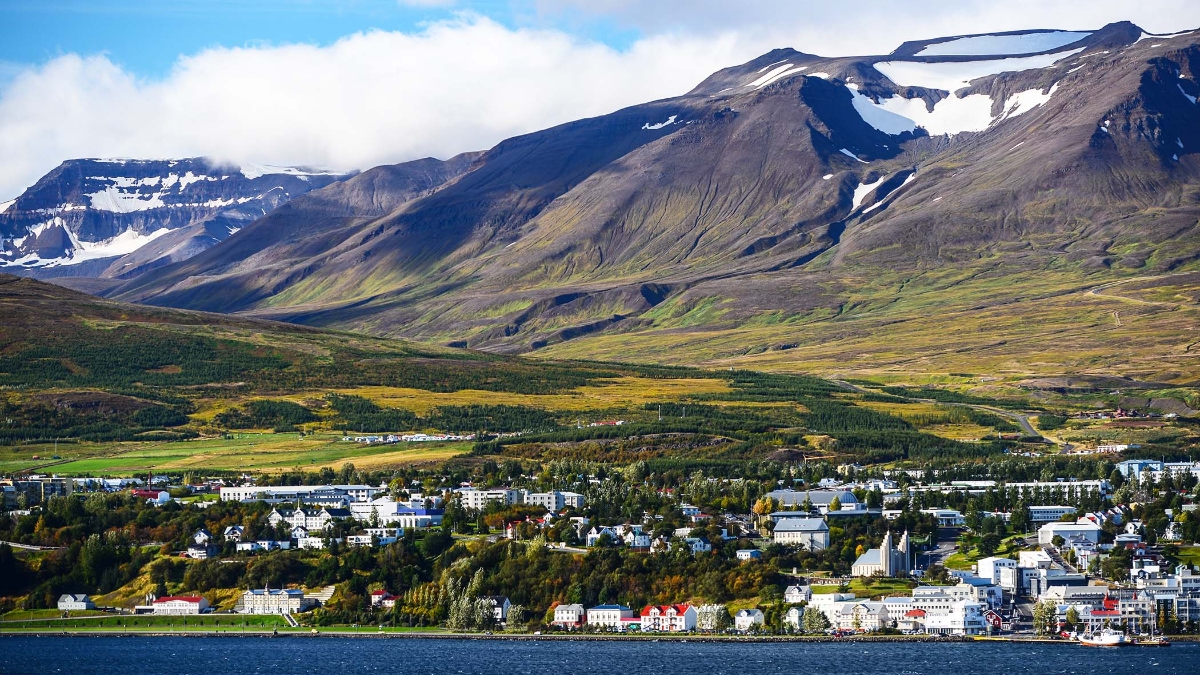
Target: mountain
point(117, 218)
point(1019, 203)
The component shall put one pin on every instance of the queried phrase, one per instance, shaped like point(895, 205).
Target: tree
point(989, 544)
point(814, 620)
point(1072, 617)
point(835, 505)
point(1044, 617)
point(1020, 518)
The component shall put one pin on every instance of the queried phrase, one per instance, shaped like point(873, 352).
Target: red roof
point(1105, 612)
point(915, 613)
point(184, 598)
point(663, 609)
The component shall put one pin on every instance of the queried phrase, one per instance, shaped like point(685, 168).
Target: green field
point(267, 452)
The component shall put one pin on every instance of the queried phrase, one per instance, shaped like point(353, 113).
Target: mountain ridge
point(689, 216)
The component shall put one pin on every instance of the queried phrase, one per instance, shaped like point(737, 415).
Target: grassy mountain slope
point(723, 227)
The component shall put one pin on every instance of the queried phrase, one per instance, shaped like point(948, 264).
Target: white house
point(500, 606)
point(794, 595)
point(75, 602)
point(202, 537)
point(569, 616)
point(961, 618)
point(609, 616)
point(233, 533)
point(747, 620)
point(748, 554)
point(668, 618)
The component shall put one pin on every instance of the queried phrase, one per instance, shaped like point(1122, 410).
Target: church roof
point(871, 557)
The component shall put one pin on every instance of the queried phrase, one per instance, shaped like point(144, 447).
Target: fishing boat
point(1105, 638)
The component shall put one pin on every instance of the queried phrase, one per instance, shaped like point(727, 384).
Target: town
point(829, 550)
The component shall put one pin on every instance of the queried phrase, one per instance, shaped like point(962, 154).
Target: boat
point(1152, 641)
point(1105, 638)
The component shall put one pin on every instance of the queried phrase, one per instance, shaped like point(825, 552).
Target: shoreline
point(519, 637)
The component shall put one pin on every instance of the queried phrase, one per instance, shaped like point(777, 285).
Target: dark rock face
point(772, 186)
point(87, 215)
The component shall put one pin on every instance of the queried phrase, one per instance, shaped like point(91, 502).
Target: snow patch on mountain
point(1023, 102)
point(995, 45)
point(878, 116)
point(113, 199)
point(4, 205)
point(954, 75)
point(655, 127)
point(861, 192)
point(782, 71)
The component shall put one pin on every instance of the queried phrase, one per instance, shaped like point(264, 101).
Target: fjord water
point(296, 655)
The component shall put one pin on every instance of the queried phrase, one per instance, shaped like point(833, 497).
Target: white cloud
point(462, 84)
point(367, 99)
point(869, 26)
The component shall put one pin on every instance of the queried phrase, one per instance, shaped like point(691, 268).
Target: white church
point(888, 560)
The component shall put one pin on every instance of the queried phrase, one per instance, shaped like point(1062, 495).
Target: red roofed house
point(913, 620)
point(180, 605)
point(668, 618)
point(383, 599)
point(159, 497)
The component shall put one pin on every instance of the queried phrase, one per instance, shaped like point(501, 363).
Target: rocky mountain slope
point(117, 218)
point(793, 205)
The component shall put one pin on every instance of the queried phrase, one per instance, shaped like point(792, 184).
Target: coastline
point(526, 637)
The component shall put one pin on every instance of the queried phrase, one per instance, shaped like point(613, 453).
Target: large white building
point(989, 568)
point(479, 499)
point(812, 533)
point(1085, 531)
point(303, 493)
point(609, 616)
point(1049, 514)
point(180, 605)
point(275, 601)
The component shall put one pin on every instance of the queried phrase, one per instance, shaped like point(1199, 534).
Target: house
point(201, 552)
point(75, 602)
point(668, 618)
point(989, 568)
point(748, 554)
point(383, 599)
point(500, 606)
point(202, 537)
point(153, 497)
point(793, 618)
point(960, 618)
point(275, 601)
point(569, 616)
point(860, 615)
point(615, 617)
point(794, 595)
point(698, 545)
point(912, 621)
point(233, 533)
point(747, 620)
point(811, 533)
point(180, 605)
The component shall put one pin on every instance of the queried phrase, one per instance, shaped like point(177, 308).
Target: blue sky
point(350, 84)
point(146, 37)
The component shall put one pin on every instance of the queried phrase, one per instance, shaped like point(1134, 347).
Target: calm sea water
point(335, 656)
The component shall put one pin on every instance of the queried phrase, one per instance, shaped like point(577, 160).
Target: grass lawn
point(1008, 549)
point(1190, 555)
point(206, 621)
point(868, 587)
